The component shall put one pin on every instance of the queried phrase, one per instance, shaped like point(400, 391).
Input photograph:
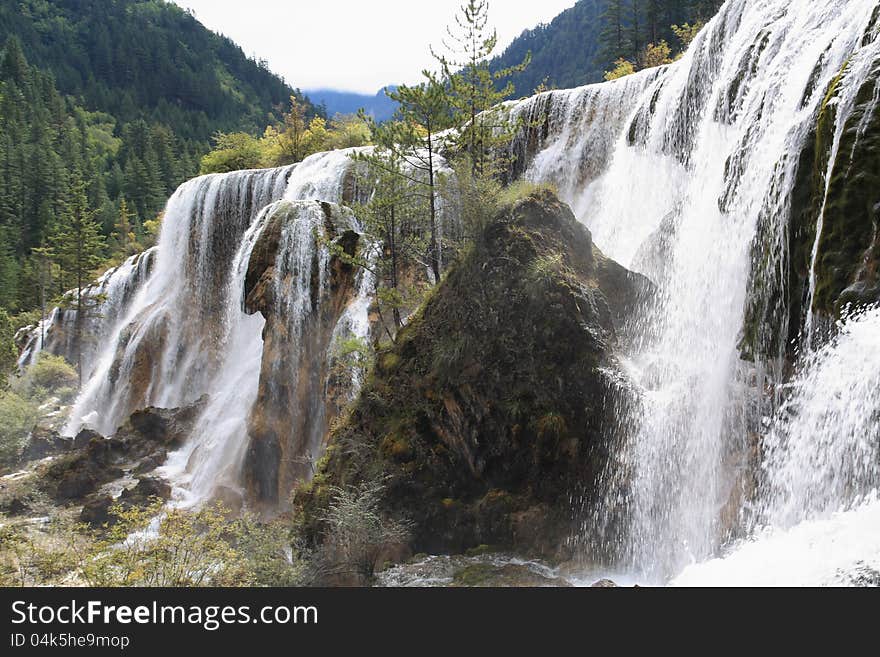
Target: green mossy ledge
point(848, 259)
point(848, 262)
point(494, 406)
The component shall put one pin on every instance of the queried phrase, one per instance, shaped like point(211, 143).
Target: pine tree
point(294, 134)
point(123, 239)
point(412, 138)
point(390, 219)
point(78, 246)
point(8, 352)
point(613, 36)
point(474, 95)
point(635, 29)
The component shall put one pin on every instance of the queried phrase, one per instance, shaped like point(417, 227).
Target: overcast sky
point(354, 45)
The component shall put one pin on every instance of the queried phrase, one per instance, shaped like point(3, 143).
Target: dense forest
point(109, 105)
point(583, 43)
point(146, 59)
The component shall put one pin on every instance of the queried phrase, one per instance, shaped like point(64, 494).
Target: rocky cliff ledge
point(494, 405)
point(301, 291)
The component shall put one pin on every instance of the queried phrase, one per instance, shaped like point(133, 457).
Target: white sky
point(355, 45)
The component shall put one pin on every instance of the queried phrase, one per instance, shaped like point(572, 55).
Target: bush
point(40, 556)
point(522, 189)
point(17, 418)
point(622, 68)
point(273, 555)
point(233, 152)
point(357, 534)
point(51, 373)
point(187, 549)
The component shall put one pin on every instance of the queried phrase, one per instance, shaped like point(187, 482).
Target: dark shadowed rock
point(140, 445)
point(96, 511)
point(493, 407)
point(45, 442)
point(84, 437)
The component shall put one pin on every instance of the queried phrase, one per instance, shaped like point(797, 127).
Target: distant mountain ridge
point(333, 101)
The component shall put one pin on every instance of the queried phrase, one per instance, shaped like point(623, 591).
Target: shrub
point(51, 373)
point(522, 189)
point(273, 555)
point(8, 352)
point(357, 533)
point(17, 418)
point(42, 556)
point(186, 549)
point(233, 152)
point(622, 68)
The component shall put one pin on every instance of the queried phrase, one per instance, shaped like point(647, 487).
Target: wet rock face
point(848, 262)
point(140, 445)
point(493, 406)
point(848, 256)
point(294, 406)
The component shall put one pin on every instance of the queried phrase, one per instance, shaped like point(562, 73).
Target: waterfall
point(171, 344)
point(823, 451)
point(820, 509)
point(692, 185)
point(107, 300)
point(211, 459)
point(744, 453)
point(184, 333)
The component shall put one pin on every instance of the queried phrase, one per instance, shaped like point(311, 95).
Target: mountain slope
point(146, 59)
point(564, 52)
point(582, 42)
point(120, 97)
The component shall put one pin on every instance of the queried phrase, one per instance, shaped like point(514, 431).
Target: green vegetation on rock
point(489, 408)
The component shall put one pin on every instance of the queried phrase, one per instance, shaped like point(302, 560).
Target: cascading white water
point(170, 346)
point(820, 510)
point(706, 155)
point(107, 301)
point(823, 451)
point(186, 334)
point(687, 162)
point(212, 457)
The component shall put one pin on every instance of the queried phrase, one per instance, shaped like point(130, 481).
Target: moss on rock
point(492, 401)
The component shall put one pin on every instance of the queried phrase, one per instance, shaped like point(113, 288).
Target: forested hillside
point(105, 107)
point(146, 59)
point(582, 43)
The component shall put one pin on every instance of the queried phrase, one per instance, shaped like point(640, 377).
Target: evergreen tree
point(78, 246)
point(473, 93)
point(392, 216)
point(8, 352)
point(412, 140)
point(123, 241)
point(613, 36)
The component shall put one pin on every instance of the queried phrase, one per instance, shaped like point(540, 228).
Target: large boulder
point(493, 407)
point(44, 442)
